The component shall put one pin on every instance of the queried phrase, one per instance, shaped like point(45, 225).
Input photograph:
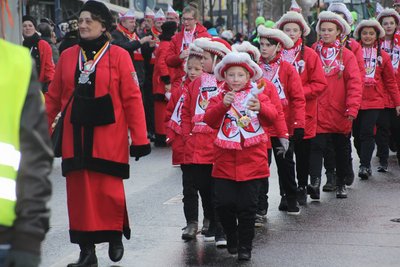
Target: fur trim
point(278, 35)
point(195, 50)
point(388, 12)
point(255, 140)
point(369, 23)
point(238, 59)
point(247, 47)
point(227, 145)
point(293, 17)
point(342, 9)
point(328, 16)
point(140, 151)
point(213, 46)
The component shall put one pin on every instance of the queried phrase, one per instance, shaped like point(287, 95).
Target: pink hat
point(238, 59)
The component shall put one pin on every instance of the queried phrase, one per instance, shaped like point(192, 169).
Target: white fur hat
point(293, 17)
point(195, 50)
point(248, 48)
point(129, 14)
point(159, 16)
point(328, 16)
point(227, 34)
point(149, 13)
point(275, 34)
point(369, 23)
point(341, 8)
point(237, 59)
point(388, 12)
point(172, 11)
point(214, 45)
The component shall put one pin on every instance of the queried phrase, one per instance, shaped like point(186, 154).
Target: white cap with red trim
point(159, 16)
point(238, 59)
point(149, 13)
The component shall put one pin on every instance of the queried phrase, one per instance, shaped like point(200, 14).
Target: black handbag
point(56, 136)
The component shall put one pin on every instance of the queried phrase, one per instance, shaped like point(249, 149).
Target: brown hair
point(103, 23)
point(191, 8)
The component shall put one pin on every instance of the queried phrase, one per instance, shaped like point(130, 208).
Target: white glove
point(284, 148)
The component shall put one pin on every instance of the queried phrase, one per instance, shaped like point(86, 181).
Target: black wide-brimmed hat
point(99, 9)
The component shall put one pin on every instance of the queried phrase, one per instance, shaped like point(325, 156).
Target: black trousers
point(285, 166)
point(330, 157)
point(196, 178)
point(340, 145)
point(363, 133)
point(302, 153)
point(236, 204)
point(388, 125)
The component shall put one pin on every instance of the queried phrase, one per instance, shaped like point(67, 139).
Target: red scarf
point(130, 35)
point(330, 57)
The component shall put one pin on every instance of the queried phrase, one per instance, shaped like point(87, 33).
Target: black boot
point(313, 188)
point(301, 194)
point(244, 253)
point(330, 185)
point(232, 243)
point(87, 257)
point(116, 250)
point(283, 204)
point(292, 208)
point(190, 231)
point(341, 191)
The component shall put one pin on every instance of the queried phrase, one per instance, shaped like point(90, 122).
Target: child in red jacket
point(193, 70)
point(198, 137)
point(241, 159)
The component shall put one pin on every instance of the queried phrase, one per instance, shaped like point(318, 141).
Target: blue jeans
point(3, 254)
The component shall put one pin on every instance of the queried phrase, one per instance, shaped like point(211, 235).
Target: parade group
point(223, 106)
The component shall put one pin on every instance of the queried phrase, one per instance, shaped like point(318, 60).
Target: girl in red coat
point(96, 84)
point(279, 125)
point(388, 125)
point(241, 158)
point(379, 79)
point(290, 90)
point(307, 64)
point(40, 51)
point(197, 136)
point(174, 137)
point(162, 82)
point(339, 103)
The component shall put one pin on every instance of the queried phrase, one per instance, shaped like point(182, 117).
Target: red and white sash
point(370, 63)
point(175, 122)
point(238, 128)
point(207, 90)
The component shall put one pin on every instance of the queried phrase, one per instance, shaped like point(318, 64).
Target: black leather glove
point(298, 134)
point(139, 151)
point(17, 258)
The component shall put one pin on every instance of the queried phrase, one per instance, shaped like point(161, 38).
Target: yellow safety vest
point(15, 73)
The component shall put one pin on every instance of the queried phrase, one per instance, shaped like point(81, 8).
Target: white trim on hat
point(369, 23)
point(328, 16)
point(278, 35)
point(237, 59)
point(247, 47)
point(293, 17)
point(129, 14)
point(194, 50)
point(336, 7)
point(215, 47)
point(159, 16)
point(149, 13)
point(388, 12)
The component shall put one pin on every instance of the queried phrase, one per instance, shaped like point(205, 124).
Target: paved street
point(357, 231)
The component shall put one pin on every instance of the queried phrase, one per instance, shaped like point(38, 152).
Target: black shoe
point(209, 236)
point(330, 185)
point(349, 179)
point(206, 225)
point(190, 231)
point(87, 257)
point(341, 191)
point(364, 173)
point(301, 195)
point(244, 254)
point(220, 238)
point(292, 208)
point(382, 168)
point(232, 243)
point(283, 205)
point(115, 251)
point(313, 188)
point(259, 220)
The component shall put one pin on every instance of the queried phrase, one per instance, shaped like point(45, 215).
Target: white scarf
point(370, 63)
point(175, 122)
point(207, 90)
point(394, 53)
point(271, 73)
point(238, 125)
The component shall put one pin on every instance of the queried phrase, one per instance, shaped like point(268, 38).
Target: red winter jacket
point(173, 59)
point(373, 96)
point(341, 99)
point(249, 163)
point(47, 68)
point(294, 109)
point(314, 83)
point(358, 53)
point(174, 138)
point(162, 73)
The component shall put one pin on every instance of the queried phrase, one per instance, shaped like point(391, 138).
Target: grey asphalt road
point(356, 231)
